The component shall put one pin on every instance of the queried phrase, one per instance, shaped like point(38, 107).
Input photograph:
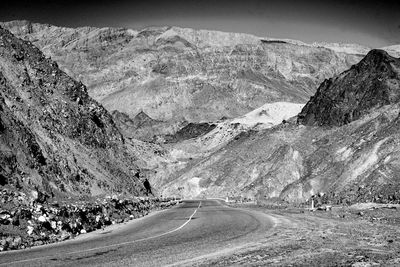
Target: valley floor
point(341, 237)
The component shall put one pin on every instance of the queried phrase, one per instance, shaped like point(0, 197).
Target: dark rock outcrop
point(139, 121)
point(142, 126)
point(373, 82)
point(191, 130)
point(143, 120)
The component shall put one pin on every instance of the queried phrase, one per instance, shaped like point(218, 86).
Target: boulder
point(42, 218)
point(30, 229)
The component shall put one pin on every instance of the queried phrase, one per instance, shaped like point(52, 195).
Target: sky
point(370, 23)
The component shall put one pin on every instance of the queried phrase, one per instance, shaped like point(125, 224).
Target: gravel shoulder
point(361, 235)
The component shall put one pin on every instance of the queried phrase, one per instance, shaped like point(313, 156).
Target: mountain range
point(203, 113)
point(175, 74)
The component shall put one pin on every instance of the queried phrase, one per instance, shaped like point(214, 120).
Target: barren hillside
point(176, 74)
point(54, 137)
point(357, 161)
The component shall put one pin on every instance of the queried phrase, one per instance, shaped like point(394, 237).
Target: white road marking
point(108, 246)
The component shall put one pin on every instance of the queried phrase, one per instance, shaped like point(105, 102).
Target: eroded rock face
point(177, 74)
point(53, 136)
point(373, 82)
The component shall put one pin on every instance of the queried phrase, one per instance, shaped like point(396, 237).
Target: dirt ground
point(361, 235)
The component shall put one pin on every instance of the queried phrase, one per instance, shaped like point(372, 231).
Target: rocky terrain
point(54, 137)
point(351, 158)
point(353, 93)
point(58, 149)
point(164, 85)
point(27, 222)
point(352, 236)
point(205, 113)
point(201, 114)
point(176, 74)
point(145, 128)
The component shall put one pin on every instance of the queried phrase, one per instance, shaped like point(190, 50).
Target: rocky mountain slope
point(177, 74)
point(54, 138)
point(374, 82)
point(349, 159)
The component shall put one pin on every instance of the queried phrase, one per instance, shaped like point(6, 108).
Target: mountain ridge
point(53, 135)
point(29, 27)
point(178, 74)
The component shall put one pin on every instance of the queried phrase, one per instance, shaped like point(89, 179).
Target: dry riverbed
point(361, 235)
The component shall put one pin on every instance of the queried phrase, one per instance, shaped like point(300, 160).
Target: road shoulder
point(344, 237)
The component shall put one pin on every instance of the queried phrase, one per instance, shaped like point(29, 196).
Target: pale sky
point(371, 23)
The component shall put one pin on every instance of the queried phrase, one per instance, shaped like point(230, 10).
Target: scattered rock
point(30, 229)
point(47, 223)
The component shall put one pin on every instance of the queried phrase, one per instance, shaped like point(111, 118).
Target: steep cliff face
point(53, 136)
point(357, 161)
point(373, 82)
point(184, 74)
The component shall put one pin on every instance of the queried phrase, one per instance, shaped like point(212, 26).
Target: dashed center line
point(108, 246)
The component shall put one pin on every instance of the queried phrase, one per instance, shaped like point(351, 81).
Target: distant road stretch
point(190, 231)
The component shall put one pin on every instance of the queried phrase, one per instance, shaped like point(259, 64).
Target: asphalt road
point(192, 230)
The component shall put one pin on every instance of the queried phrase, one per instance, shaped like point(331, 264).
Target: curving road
point(192, 230)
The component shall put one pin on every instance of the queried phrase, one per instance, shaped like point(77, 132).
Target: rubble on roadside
point(25, 222)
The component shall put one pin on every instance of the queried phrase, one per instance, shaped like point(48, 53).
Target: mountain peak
point(373, 82)
point(377, 52)
point(142, 116)
point(376, 56)
point(142, 119)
